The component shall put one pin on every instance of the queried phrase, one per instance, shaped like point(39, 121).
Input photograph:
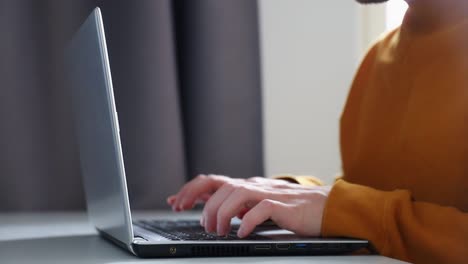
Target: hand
point(259, 198)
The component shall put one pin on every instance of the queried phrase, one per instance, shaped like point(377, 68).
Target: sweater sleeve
point(396, 225)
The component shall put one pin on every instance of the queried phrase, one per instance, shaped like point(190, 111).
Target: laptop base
point(242, 250)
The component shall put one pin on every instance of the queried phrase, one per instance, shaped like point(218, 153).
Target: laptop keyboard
point(189, 230)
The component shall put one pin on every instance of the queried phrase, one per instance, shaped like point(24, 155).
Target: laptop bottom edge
point(239, 250)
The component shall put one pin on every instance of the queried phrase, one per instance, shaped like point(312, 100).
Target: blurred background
point(234, 87)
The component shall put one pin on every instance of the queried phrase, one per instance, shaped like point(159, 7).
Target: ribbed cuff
point(354, 211)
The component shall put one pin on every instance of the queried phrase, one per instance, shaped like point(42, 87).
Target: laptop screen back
point(96, 125)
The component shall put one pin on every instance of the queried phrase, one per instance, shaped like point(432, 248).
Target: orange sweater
point(404, 141)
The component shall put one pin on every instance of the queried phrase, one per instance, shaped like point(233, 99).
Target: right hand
point(258, 199)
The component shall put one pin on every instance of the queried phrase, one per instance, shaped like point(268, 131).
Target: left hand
point(298, 209)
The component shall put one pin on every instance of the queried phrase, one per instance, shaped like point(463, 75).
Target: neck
point(430, 15)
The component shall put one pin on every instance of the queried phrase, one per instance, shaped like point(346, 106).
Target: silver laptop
point(103, 169)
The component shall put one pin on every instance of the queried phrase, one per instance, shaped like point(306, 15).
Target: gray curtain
point(187, 85)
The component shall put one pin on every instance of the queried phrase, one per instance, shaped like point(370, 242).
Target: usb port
point(262, 247)
point(300, 246)
point(283, 246)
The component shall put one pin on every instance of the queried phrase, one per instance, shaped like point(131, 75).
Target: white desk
point(69, 238)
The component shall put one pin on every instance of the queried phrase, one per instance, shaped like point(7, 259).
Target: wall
point(310, 51)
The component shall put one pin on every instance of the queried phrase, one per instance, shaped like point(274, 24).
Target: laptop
point(102, 165)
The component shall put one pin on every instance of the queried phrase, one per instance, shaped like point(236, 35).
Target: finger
point(187, 188)
point(196, 188)
point(202, 221)
point(239, 199)
point(211, 207)
point(241, 214)
point(279, 212)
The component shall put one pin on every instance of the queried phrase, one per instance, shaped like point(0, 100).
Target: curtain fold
point(186, 77)
point(218, 51)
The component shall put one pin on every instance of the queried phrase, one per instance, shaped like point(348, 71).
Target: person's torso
point(405, 125)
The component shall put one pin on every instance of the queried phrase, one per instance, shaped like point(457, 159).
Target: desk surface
point(69, 238)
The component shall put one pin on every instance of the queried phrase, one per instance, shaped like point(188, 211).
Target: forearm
point(397, 226)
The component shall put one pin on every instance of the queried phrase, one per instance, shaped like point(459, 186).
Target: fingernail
point(241, 232)
point(202, 221)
